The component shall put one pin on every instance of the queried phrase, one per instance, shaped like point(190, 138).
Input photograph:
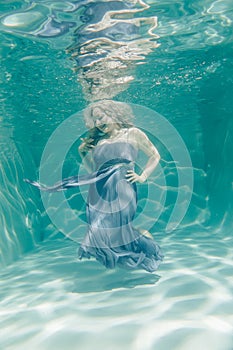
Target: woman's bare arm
point(143, 143)
point(86, 155)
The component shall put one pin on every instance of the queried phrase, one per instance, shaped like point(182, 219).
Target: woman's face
point(102, 121)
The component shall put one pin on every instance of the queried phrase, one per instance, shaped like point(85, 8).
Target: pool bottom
point(50, 300)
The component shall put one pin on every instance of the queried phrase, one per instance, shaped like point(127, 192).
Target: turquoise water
point(49, 299)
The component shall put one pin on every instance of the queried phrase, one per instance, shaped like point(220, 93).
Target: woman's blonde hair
point(119, 112)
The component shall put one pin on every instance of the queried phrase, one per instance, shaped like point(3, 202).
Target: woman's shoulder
point(136, 133)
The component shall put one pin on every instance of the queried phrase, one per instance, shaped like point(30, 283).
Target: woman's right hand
point(85, 147)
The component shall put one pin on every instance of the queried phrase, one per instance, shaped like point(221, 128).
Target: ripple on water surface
point(23, 20)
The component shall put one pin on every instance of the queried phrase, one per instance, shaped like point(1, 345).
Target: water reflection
point(109, 44)
point(105, 39)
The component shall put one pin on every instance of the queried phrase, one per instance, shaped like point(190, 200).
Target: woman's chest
point(107, 151)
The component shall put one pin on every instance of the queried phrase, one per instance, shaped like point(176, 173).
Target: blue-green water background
point(48, 299)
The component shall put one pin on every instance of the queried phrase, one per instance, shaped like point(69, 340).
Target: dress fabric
point(111, 206)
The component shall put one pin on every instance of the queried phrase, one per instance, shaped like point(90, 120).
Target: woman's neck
point(113, 133)
point(116, 132)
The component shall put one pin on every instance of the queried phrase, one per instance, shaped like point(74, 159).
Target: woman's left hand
point(133, 177)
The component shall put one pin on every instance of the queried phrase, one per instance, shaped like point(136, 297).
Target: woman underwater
point(109, 152)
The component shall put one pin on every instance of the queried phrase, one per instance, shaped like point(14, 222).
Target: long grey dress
point(111, 206)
